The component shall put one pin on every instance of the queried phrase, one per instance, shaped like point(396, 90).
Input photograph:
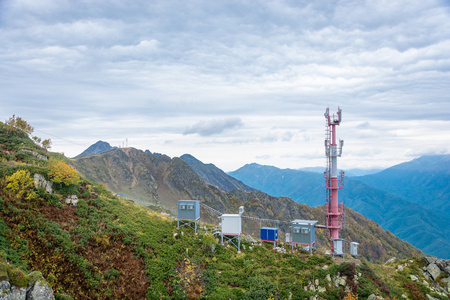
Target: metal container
point(303, 232)
point(231, 224)
point(269, 234)
point(354, 248)
point(188, 209)
point(337, 245)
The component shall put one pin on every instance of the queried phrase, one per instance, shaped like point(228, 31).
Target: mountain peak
point(98, 147)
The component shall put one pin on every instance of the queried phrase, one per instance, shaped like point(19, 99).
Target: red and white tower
point(335, 210)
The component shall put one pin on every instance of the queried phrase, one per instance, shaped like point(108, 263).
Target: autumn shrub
point(414, 291)
point(16, 276)
point(21, 183)
point(60, 172)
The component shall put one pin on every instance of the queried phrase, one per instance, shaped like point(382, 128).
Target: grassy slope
point(109, 248)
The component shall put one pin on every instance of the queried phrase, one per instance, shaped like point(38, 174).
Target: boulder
point(413, 277)
point(41, 182)
point(441, 263)
point(434, 271)
point(430, 259)
point(72, 200)
point(40, 290)
point(19, 293)
point(447, 269)
point(390, 260)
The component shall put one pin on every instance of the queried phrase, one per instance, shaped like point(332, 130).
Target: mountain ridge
point(425, 226)
point(126, 170)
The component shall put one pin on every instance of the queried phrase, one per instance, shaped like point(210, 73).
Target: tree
point(46, 144)
point(17, 124)
point(60, 172)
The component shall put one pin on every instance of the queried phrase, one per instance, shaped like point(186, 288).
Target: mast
point(334, 210)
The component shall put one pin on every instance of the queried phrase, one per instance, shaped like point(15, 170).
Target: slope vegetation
point(106, 247)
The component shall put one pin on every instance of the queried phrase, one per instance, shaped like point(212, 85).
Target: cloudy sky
point(231, 82)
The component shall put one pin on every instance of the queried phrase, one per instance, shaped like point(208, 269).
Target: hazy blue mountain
point(424, 228)
point(284, 182)
point(425, 180)
point(210, 174)
point(97, 148)
point(349, 172)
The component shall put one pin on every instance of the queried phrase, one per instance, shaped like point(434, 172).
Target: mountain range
point(417, 221)
point(160, 181)
point(373, 195)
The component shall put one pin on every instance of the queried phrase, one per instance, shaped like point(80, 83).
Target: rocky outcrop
point(34, 153)
point(72, 200)
point(36, 288)
point(41, 182)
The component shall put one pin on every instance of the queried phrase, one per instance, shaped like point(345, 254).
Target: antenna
point(334, 210)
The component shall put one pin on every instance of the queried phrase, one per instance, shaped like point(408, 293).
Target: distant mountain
point(349, 172)
point(215, 176)
point(97, 148)
point(425, 180)
point(426, 229)
point(159, 180)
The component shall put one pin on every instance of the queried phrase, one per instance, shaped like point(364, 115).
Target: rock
point(40, 290)
point(41, 182)
point(446, 280)
point(72, 200)
point(447, 269)
point(434, 271)
point(321, 289)
point(390, 260)
point(316, 282)
point(328, 278)
point(5, 288)
point(400, 268)
point(18, 293)
point(341, 280)
point(35, 154)
point(429, 297)
point(372, 297)
point(413, 277)
point(441, 263)
point(404, 296)
point(425, 283)
point(430, 259)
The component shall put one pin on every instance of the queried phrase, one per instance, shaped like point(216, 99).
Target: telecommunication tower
point(335, 210)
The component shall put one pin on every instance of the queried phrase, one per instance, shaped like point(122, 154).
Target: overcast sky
point(231, 82)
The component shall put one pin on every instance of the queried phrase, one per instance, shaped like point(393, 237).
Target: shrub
point(21, 183)
point(60, 172)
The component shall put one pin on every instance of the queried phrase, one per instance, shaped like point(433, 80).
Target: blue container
point(269, 234)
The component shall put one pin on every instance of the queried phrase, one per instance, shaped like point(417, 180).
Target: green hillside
point(105, 247)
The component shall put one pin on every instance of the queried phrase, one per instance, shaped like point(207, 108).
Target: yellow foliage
point(60, 172)
point(350, 296)
point(20, 183)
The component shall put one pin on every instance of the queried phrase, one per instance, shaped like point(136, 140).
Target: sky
point(231, 82)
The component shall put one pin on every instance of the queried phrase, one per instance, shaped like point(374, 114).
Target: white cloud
point(151, 71)
point(212, 127)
